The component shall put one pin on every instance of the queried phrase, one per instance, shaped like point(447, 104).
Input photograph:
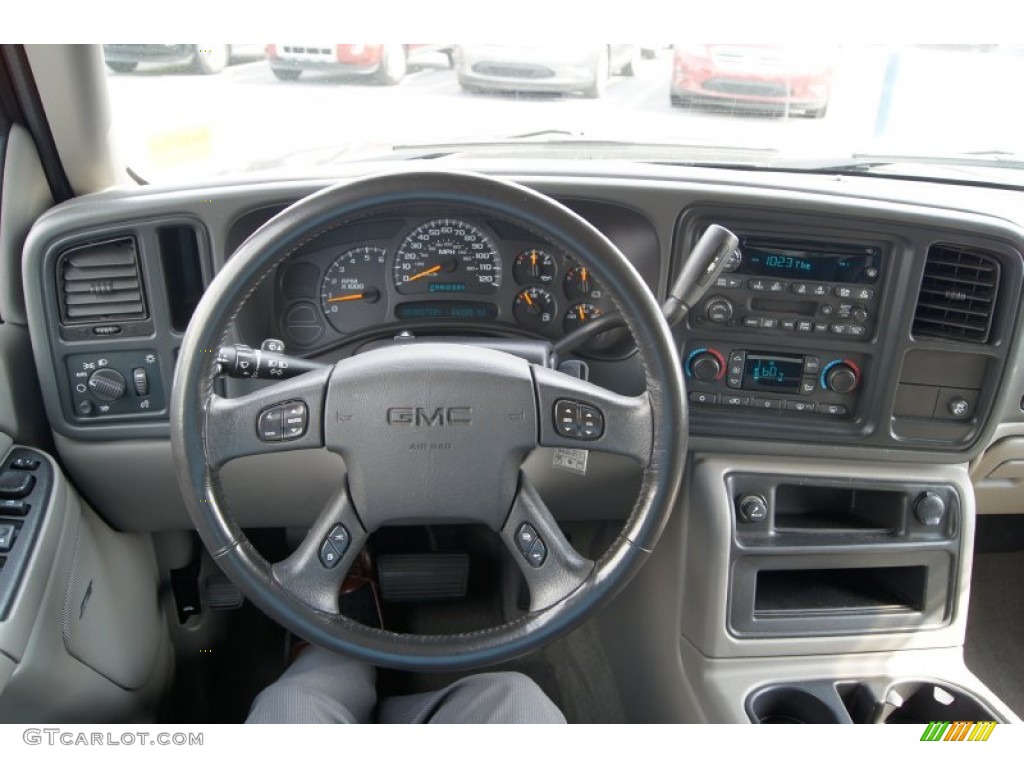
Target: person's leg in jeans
point(323, 687)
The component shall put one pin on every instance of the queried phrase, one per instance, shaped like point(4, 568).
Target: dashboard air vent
point(101, 282)
point(958, 293)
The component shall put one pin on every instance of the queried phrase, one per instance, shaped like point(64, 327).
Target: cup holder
point(873, 700)
point(790, 705)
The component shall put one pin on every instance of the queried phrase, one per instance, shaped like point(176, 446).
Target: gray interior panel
point(709, 560)
point(52, 626)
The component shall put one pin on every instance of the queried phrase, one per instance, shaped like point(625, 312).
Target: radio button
point(826, 310)
point(718, 309)
point(770, 322)
point(736, 401)
point(789, 325)
point(801, 289)
point(801, 406)
point(819, 290)
point(751, 322)
point(807, 386)
point(844, 291)
point(704, 398)
point(857, 331)
point(812, 364)
point(864, 294)
point(821, 327)
point(804, 326)
point(840, 329)
point(777, 286)
point(767, 403)
point(757, 285)
point(729, 281)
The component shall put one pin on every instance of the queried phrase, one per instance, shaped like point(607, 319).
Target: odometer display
point(447, 257)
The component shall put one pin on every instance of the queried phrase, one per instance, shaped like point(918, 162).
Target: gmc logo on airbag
point(457, 416)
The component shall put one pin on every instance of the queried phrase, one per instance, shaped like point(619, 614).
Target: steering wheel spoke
point(314, 572)
point(552, 567)
point(577, 414)
point(285, 416)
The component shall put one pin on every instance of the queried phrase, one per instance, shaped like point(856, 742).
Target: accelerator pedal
point(423, 578)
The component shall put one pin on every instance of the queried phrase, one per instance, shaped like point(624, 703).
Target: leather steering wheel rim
point(303, 223)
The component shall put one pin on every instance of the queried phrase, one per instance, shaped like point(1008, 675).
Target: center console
point(833, 597)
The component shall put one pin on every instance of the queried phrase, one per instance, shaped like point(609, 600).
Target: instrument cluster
point(442, 273)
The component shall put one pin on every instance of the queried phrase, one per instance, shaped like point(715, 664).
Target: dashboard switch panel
point(115, 384)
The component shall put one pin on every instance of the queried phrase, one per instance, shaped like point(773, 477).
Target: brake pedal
point(423, 578)
point(220, 594)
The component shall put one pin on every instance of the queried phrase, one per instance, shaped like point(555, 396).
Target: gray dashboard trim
point(660, 193)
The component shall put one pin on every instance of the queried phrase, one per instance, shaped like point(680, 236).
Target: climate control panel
point(810, 382)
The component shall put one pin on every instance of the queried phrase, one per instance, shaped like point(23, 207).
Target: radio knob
point(859, 314)
point(706, 366)
point(718, 309)
point(842, 378)
point(108, 384)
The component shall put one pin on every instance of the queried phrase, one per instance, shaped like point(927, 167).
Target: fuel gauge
point(534, 308)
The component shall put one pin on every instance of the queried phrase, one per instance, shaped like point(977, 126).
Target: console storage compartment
point(825, 556)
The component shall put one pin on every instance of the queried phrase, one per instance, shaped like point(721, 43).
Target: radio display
point(857, 266)
point(772, 373)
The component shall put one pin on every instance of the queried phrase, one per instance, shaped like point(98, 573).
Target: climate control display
point(773, 373)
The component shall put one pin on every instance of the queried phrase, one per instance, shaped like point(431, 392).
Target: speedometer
point(447, 256)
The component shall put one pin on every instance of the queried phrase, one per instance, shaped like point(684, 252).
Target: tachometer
point(351, 288)
point(447, 256)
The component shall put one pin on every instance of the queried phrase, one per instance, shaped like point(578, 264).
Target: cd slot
point(806, 308)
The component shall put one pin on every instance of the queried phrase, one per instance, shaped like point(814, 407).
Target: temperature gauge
point(534, 308)
point(534, 266)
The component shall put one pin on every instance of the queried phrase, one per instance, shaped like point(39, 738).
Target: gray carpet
point(995, 625)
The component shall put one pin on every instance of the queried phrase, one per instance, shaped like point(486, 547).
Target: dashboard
point(859, 319)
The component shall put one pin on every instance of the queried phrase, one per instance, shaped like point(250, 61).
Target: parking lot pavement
point(171, 124)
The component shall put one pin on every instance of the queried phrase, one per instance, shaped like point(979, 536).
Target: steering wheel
point(474, 413)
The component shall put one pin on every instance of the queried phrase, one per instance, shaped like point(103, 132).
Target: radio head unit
point(794, 288)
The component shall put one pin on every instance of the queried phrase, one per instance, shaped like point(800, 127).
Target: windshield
point(184, 111)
